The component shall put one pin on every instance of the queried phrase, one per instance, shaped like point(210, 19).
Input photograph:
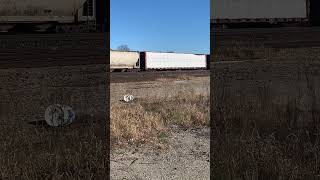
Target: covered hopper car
point(123, 61)
point(55, 15)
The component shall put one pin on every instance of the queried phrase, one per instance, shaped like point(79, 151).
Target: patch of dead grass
point(180, 77)
point(237, 52)
point(148, 120)
point(262, 140)
point(29, 152)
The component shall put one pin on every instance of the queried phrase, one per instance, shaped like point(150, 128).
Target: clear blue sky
point(161, 25)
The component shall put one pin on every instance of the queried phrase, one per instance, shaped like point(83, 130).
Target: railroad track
point(122, 77)
point(73, 40)
point(39, 50)
point(285, 37)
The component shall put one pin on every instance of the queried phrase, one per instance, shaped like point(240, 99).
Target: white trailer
point(270, 11)
point(160, 60)
point(122, 60)
point(44, 13)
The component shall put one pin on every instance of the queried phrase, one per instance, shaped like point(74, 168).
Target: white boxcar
point(159, 60)
point(230, 11)
point(124, 60)
point(45, 11)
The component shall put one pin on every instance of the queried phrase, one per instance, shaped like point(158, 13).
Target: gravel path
point(187, 157)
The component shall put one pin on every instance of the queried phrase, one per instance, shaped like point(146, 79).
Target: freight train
point(229, 13)
point(143, 61)
point(53, 15)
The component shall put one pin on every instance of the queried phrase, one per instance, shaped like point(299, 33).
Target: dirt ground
point(187, 157)
point(185, 154)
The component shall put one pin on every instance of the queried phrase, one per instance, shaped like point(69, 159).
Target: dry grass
point(259, 140)
point(180, 77)
point(237, 51)
point(148, 120)
point(32, 152)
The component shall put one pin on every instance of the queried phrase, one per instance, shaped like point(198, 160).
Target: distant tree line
point(123, 47)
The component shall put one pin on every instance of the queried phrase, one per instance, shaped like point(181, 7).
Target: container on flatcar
point(164, 61)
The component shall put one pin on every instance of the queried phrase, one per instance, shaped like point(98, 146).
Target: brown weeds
point(36, 152)
point(237, 51)
point(148, 119)
point(263, 140)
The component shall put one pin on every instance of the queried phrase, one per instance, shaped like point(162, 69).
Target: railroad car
point(171, 61)
point(124, 61)
point(232, 12)
point(57, 15)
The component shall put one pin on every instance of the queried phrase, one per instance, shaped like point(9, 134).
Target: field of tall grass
point(265, 145)
point(260, 139)
point(148, 120)
point(40, 152)
point(237, 51)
